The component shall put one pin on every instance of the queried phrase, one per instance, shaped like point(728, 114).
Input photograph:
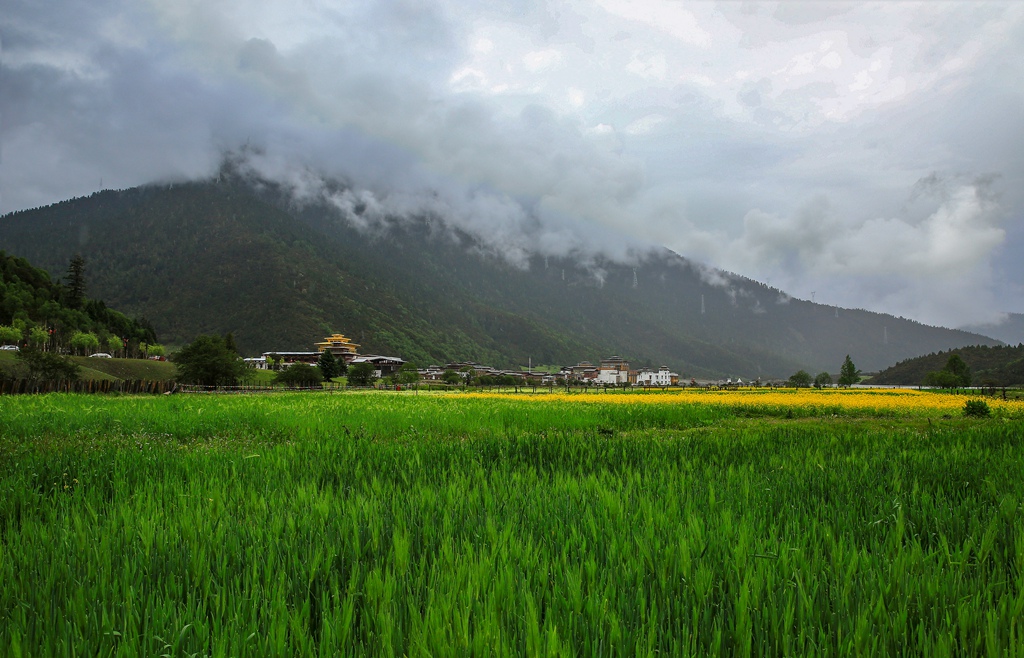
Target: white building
point(661, 377)
point(613, 370)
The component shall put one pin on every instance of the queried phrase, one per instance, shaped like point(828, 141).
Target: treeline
point(39, 313)
point(989, 366)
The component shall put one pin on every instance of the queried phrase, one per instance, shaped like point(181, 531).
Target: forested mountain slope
point(46, 313)
point(990, 366)
point(223, 255)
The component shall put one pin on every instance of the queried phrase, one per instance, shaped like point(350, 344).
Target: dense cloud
point(871, 153)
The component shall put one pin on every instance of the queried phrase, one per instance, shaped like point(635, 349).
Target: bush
point(800, 379)
point(408, 374)
point(361, 374)
point(941, 379)
point(208, 361)
point(47, 366)
point(299, 374)
point(977, 409)
point(954, 375)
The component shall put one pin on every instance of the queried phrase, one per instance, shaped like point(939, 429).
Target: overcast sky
point(869, 153)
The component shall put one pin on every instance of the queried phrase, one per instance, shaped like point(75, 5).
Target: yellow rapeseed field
point(812, 401)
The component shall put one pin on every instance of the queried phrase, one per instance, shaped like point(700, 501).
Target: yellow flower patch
point(895, 401)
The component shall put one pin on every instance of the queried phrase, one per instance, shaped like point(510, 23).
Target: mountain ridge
point(1009, 331)
point(224, 255)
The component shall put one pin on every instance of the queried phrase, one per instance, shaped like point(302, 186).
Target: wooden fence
point(27, 386)
point(138, 386)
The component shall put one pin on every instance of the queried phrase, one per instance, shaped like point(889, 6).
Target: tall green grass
point(443, 525)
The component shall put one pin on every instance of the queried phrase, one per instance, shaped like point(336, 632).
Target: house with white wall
point(613, 370)
point(660, 377)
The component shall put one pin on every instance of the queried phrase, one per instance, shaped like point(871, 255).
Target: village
point(612, 371)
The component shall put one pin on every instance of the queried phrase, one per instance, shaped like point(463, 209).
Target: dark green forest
point(38, 306)
point(990, 366)
point(231, 255)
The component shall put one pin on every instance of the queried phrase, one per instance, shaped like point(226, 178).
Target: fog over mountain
point(242, 254)
point(864, 154)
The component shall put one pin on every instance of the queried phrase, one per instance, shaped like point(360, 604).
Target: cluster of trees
point(498, 380)
point(328, 367)
point(848, 376)
point(47, 366)
point(81, 343)
point(300, 374)
point(214, 361)
point(41, 314)
point(956, 374)
point(84, 343)
point(1001, 365)
point(210, 361)
point(364, 374)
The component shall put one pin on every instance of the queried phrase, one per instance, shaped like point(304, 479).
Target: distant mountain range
point(1010, 331)
point(228, 255)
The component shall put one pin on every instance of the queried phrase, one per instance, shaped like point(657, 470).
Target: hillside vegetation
point(100, 369)
point(129, 368)
point(990, 366)
point(31, 300)
point(231, 256)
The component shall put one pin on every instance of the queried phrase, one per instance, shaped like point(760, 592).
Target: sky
point(861, 154)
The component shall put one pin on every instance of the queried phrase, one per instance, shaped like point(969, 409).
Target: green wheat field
point(387, 524)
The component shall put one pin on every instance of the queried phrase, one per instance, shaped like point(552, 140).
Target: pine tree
point(848, 373)
point(328, 365)
point(75, 282)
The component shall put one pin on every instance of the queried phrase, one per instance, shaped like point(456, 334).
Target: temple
point(340, 346)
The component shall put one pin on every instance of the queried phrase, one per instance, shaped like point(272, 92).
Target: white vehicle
point(100, 355)
point(13, 348)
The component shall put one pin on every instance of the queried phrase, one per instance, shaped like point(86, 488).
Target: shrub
point(800, 379)
point(208, 361)
point(47, 366)
point(361, 374)
point(977, 409)
point(299, 374)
